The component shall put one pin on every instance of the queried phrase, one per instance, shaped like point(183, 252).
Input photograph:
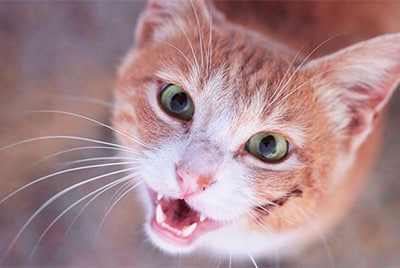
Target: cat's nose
point(198, 166)
point(191, 181)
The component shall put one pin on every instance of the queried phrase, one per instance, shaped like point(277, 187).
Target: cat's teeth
point(188, 230)
point(202, 218)
point(159, 196)
point(160, 216)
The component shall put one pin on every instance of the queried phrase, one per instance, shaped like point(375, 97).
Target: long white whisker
point(260, 222)
point(120, 190)
point(253, 261)
point(64, 137)
point(186, 36)
point(77, 149)
point(99, 191)
point(180, 51)
point(298, 88)
point(301, 65)
point(293, 91)
point(278, 92)
point(260, 204)
point(113, 205)
point(97, 159)
point(85, 99)
point(51, 200)
point(200, 32)
point(134, 139)
point(317, 229)
point(58, 173)
point(210, 45)
point(125, 179)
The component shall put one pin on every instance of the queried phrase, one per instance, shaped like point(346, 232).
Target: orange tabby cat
point(248, 125)
point(250, 144)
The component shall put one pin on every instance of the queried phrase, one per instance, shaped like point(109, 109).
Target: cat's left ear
point(355, 83)
point(163, 18)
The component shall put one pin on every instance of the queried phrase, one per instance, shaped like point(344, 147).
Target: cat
point(245, 205)
point(246, 146)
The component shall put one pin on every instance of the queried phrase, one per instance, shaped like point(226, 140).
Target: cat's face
point(238, 141)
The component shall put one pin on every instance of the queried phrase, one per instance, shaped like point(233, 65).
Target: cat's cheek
point(223, 202)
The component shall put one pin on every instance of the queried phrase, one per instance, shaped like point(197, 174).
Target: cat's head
point(237, 138)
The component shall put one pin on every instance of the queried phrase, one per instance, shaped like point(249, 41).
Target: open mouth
point(176, 222)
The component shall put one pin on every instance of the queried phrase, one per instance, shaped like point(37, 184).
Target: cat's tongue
point(176, 222)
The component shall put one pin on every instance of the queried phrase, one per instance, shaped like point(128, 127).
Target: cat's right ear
point(163, 18)
point(355, 83)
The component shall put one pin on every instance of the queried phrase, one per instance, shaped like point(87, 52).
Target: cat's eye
point(268, 147)
point(176, 102)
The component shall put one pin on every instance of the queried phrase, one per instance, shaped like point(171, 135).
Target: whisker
point(300, 87)
point(261, 207)
point(96, 192)
point(301, 65)
point(253, 261)
point(126, 180)
point(200, 32)
point(84, 99)
point(56, 174)
point(293, 91)
point(51, 200)
point(320, 234)
point(113, 205)
point(260, 222)
point(96, 159)
point(77, 149)
point(210, 45)
point(180, 51)
point(118, 192)
point(122, 133)
point(50, 137)
point(185, 34)
point(279, 89)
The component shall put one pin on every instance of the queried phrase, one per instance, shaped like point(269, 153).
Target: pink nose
point(190, 181)
point(197, 168)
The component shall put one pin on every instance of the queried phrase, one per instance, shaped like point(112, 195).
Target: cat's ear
point(162, 18)
point(355, 83)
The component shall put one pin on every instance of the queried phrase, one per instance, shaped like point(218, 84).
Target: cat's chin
point(174, 226)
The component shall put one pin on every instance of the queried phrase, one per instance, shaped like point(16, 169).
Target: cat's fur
point(243, 82)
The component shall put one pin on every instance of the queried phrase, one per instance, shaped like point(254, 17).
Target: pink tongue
point(178, 213)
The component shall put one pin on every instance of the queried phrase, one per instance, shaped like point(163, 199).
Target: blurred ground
point(63, 56)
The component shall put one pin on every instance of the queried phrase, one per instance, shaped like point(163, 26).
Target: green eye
point(268, 147)
point(176, 102)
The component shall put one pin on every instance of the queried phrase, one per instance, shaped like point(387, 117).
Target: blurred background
point(64, 56)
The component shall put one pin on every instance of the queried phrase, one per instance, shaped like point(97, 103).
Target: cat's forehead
point(240, 82)
point(230, 104)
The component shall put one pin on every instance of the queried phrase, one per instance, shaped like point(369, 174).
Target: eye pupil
point(268, 145)
point(179, 102)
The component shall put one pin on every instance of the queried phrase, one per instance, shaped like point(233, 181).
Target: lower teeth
point(188, 230)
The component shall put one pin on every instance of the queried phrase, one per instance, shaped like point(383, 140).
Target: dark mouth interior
point(178, 212)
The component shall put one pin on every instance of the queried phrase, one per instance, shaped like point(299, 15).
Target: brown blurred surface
point(64, 56)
